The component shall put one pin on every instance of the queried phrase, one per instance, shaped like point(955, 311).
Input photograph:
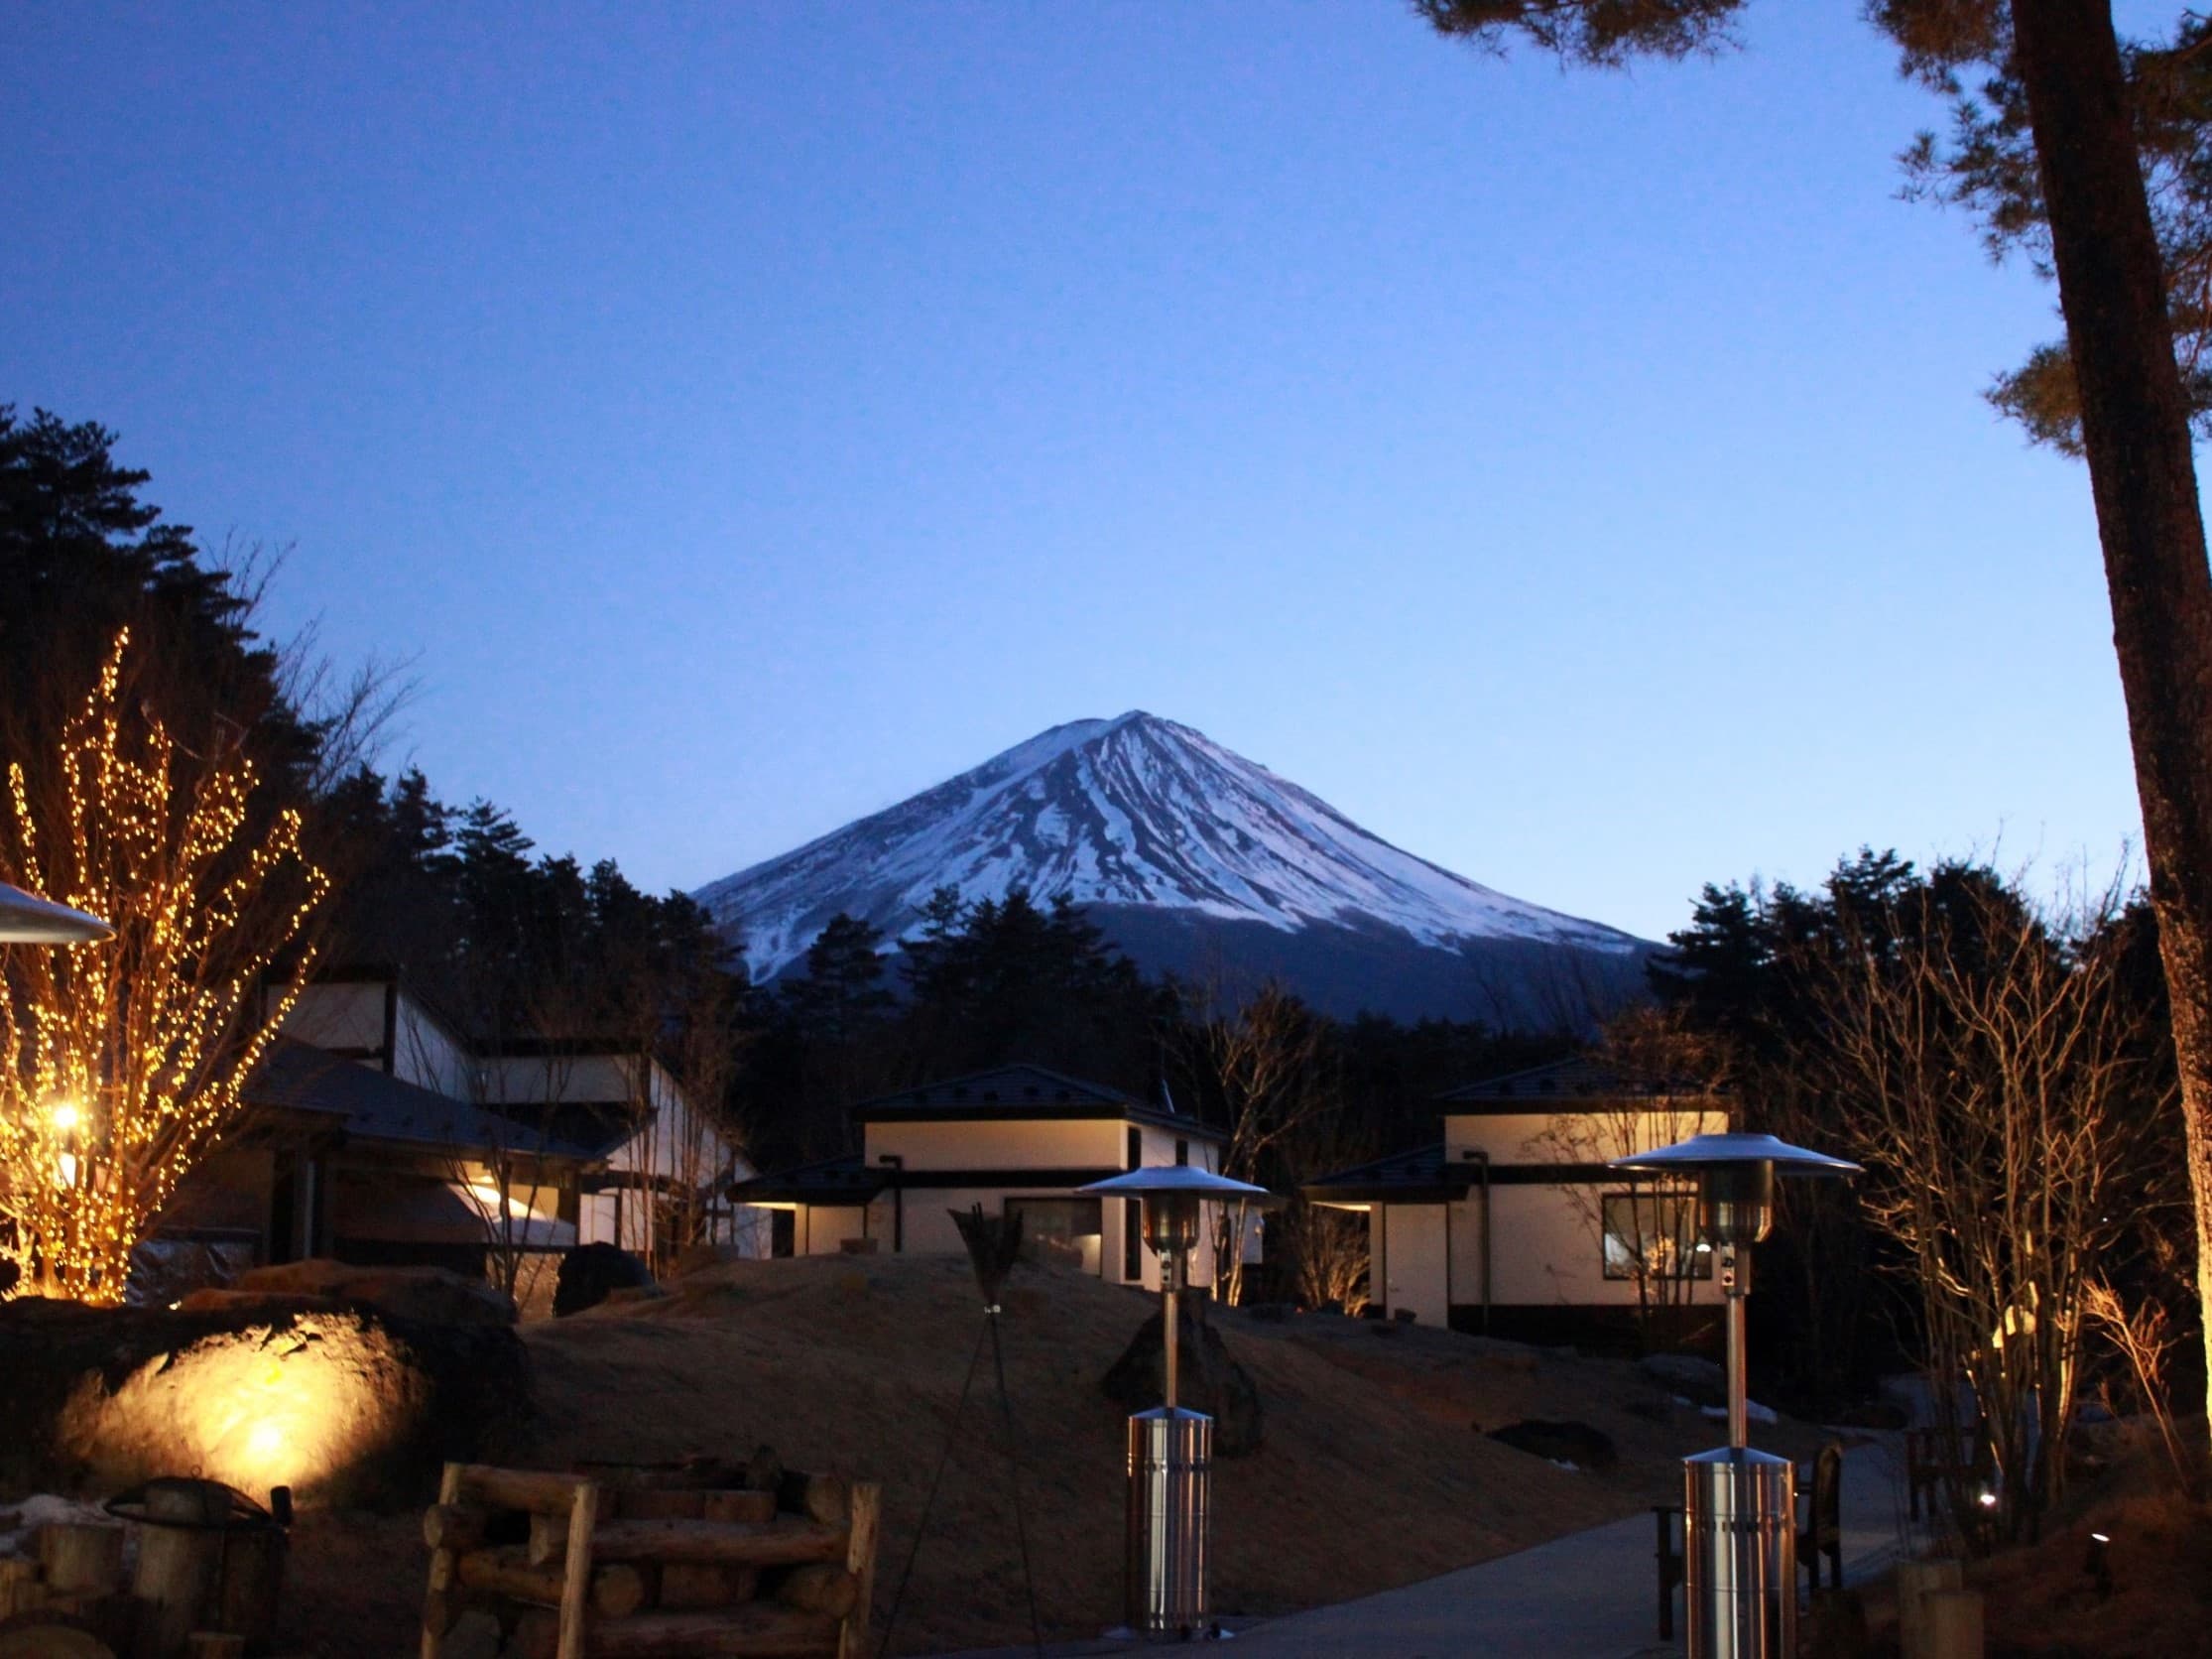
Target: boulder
point(1703, 1383)
point(1562, 1440)
point(423, 1293)
point(1207, 1380)
point(589, 1271)
point(345, 1401)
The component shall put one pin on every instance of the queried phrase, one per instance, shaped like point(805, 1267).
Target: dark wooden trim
point(1032, 1112)
point(391, 1026)
point(1008, 1178)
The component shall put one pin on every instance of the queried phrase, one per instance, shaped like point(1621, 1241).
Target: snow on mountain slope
point(1133, 813)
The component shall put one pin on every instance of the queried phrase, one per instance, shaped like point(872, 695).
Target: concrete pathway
point(1589, 1596)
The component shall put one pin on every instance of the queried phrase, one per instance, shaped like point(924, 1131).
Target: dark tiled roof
point(1422, 1175)
point(1579, 1077)
point(1022, 1091)
point(371, 1106)
point(833, 1180)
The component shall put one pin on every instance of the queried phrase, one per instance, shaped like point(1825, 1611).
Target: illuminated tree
point(122, 1064)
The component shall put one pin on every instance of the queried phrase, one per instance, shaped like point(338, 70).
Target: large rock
point(343, 1401)
point(423, 1293)
point(1207, 1380)
point(589, 1271)
point(1562, 1440)
point(1703, 1383)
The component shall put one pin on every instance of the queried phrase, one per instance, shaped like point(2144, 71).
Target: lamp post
point(1171, 1450)
point(1739, 1507)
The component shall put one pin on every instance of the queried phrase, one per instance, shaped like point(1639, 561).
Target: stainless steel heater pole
point(1739, 1523)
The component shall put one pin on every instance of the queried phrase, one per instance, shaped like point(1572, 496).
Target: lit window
point(1654, 1236)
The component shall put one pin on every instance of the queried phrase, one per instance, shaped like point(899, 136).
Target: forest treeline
point(2000, 1062)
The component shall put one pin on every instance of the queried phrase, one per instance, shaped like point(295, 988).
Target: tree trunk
point(2134, 428)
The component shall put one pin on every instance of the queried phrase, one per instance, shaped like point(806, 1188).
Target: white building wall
point(341, 1015)
point(1012, 1145)
point(428, 1055)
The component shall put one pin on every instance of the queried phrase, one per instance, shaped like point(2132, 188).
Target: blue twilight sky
point(747, 415)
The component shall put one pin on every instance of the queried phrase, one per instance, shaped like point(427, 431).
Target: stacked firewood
point(702, 1558)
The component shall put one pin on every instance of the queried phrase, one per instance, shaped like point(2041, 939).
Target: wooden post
point(78, 1558)
point(19, 1585)
point(1917, 1581)
point(178, 1569)
point(436, 1618)
point(1952, 1622)
point(860, 1560)
point(583, 1516)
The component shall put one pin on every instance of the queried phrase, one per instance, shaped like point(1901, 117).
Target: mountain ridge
point(1142, 818)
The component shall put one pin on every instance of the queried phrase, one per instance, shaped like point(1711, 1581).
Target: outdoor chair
point(1936, 1457)
point(1822, 1531)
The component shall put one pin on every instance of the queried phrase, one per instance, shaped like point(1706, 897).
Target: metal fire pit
point(1171, 1485)
point(1740, 1552)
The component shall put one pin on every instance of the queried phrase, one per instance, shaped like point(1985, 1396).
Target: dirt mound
point(1369, 1475)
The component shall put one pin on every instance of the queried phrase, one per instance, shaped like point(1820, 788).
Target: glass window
point(1654, 1236)
point(1064, 1233)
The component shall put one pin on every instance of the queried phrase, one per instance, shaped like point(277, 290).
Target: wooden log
point(455, 1526)
point(1916, 1581)
point(508, 1571)
point(179, 1573)
point(583, 1523)
point(52, 1641)
point(439, 1607)
point(825, 1586)
point(764, 1471)
point(826, 1498)
point(758, 1508)
point(548, 1539)
point(686, 1585)
point(79, 1558)
point(443, 1609)
point(536, 1635)
point(759, 1630)
point(1951, 1623)
point(252, 1583)
point(19, 1585)
point(860, 1562)
point(778, 1543)
point(541, 1492)
point(657, 1504)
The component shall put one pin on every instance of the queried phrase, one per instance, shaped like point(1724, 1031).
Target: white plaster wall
point(343, 1015)
point(1000, 1146)
point(1547, 1250)
point(428, 1055)
point(516, 1079)
point(1559, 1136)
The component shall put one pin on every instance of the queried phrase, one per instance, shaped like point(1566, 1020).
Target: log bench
point(616, 1563)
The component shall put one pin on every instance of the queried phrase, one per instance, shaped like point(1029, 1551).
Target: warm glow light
point(121, 1068)
point(257, 1408)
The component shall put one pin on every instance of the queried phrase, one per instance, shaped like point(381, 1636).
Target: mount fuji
point(1195, 859)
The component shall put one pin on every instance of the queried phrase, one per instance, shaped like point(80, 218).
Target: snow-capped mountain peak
point(1133, 815)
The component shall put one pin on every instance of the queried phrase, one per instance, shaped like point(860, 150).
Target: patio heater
point(1171, 1450)
point(1739, 1507)
point(27, 918)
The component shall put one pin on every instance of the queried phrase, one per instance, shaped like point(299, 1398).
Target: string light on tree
point(121, 1065)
